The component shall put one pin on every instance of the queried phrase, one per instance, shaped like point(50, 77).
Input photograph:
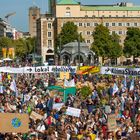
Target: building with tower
point(117, 17)
point(34, 14)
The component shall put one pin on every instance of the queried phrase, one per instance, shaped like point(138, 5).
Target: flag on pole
point(124, 85)
point(132, 85)
point(115, 88)
point(13, 87)
point(1, 88)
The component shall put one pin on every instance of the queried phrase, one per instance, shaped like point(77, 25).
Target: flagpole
point(64, 96)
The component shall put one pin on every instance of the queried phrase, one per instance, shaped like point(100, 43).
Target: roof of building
point(75, 44)
point(109, 8)
point(67, 2)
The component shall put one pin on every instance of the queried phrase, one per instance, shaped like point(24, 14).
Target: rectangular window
point(49, 43)
point(119, 24)
point(107, 24)
point(88, 41)
point(49, 25)
point(80, 24)
point(113, 24)
point(127, 24)
point(95, 24)
point(113, 32)
point(120, 32)
point(135, 24)
point(67, 14)
point(49, 34)
point(88, 24)
point(88, 32)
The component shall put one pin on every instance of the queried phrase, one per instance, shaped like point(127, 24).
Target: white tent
point(7, 59)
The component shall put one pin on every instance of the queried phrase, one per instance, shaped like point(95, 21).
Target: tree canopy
point(132, 43)
point(69, 33)
point(106, 45)
point(22, 47)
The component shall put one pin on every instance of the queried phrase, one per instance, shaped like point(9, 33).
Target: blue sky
point(20, 20)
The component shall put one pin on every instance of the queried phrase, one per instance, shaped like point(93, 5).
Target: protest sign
point(58, 106)
point(14, 123)
point(73, 112)
point(107, 109)
point(88, 69)
point(64, 75)
point(112, 122)
point(36, 116)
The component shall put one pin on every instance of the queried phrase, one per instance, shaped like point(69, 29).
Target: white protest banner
point(120, 71)
point(41, 69)
point(36, 116)
point(58, 106)
point(73, 112)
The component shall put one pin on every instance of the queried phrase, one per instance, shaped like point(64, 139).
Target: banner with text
point(41, 69)
point(120, 71)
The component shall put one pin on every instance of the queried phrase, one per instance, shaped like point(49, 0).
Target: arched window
point(68, 8)
point(49, 51)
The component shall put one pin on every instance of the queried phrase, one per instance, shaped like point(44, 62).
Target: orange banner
point(4, 50)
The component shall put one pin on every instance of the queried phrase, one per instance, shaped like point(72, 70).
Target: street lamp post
point(60, 50)
point(79, 51)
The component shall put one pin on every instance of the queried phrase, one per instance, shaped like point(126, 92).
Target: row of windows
point(117, 32)
point(102, 16)
point(89, 41)
point(121, 24)
point(108, 24)
point(68, 14)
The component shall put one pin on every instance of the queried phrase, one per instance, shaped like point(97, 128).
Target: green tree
point(106, 45)
point(116, 50)
point(30, 44)
point(132, 43)
point(69, 33)
point(20, 48)
point(23, 47)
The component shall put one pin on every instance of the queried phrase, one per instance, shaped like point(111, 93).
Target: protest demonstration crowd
point(109, 110)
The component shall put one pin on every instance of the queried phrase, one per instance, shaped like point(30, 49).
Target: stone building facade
point(117, 18)
point(45, 37)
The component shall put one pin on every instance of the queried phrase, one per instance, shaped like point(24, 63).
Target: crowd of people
point(33, 95)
